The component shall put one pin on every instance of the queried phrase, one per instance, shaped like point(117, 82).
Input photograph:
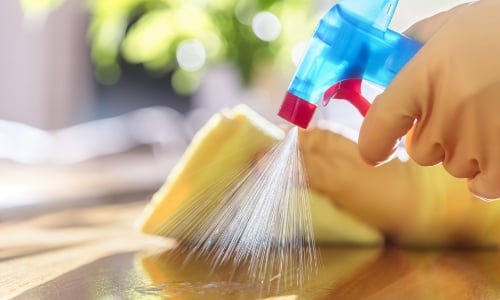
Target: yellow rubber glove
point(408, 203)
point(447, 98)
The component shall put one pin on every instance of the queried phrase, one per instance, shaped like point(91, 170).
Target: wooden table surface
point(94, 253)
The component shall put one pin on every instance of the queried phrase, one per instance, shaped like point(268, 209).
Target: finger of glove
point(485, 186)
point(486, 183)
point(461, 167)
point(422, 147)
point(394, 111)
point(423, 30)
point(459, 145)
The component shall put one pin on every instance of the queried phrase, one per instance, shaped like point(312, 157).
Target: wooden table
point(94, 253)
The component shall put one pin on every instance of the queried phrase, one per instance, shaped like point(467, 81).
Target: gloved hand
point(408, 203)
point(446, 99)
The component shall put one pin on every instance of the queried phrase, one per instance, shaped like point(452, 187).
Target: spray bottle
point(351, 43)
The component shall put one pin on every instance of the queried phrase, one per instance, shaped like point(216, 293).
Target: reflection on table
point(94, 253)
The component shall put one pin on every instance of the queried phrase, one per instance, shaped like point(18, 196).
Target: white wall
point(411, 11)
point(45, 78)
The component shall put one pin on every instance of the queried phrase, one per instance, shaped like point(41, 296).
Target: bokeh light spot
point(266, 26)
point(298, 51)
point(191, 55)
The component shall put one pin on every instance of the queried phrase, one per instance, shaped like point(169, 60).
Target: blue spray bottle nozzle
point(351, 43)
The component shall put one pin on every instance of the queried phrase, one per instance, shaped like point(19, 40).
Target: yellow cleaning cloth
point(227, 144)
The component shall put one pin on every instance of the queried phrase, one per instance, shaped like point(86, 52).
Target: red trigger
point(350, 90)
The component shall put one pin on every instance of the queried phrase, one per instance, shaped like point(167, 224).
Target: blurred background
point(99, 98)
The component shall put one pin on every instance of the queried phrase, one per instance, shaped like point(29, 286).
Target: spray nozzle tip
point(297, 110)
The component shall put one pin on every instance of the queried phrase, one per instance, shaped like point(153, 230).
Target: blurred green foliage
point(149, 32)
